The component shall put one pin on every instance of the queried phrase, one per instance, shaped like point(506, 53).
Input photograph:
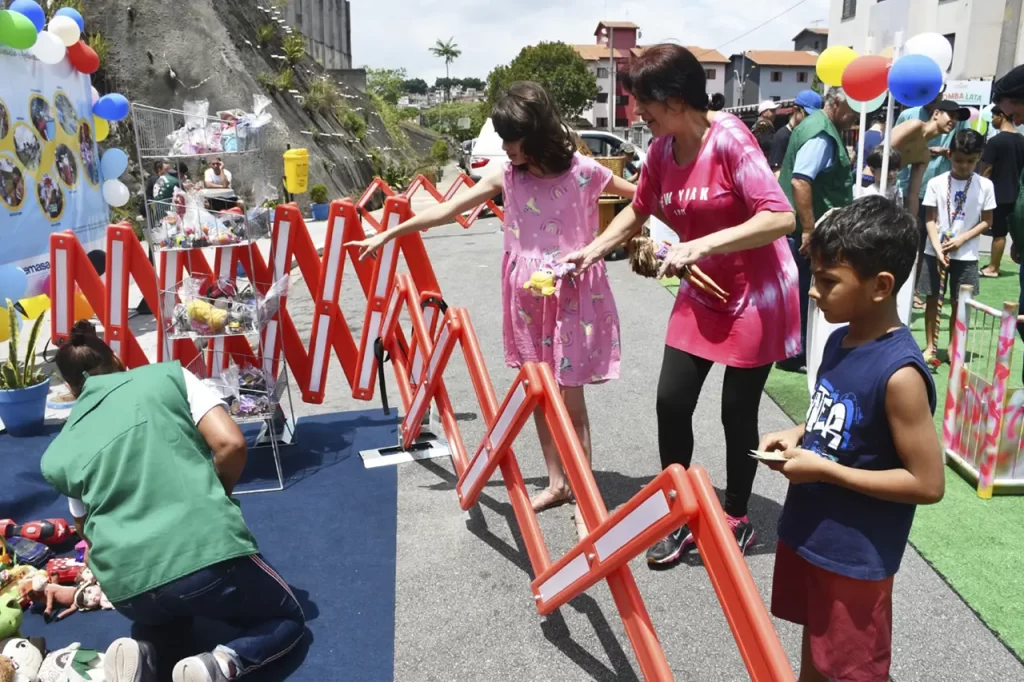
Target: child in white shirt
point(958, 207)
point(874, 162)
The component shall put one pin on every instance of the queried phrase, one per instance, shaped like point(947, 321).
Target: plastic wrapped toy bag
point(271, 302)
point(225, 384)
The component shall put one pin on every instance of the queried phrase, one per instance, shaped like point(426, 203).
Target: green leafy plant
point(266, 33)
point(101, 45)
point(318, 194)
point(282, 81)
point(396, 176)
point(351, 121)
point(294, 47)
point(392, 122)
point(439, 152)
point(14, 374)
point(556, 66)
point(323, 96)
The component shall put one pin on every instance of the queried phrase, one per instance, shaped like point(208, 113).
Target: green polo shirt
point(156, 509)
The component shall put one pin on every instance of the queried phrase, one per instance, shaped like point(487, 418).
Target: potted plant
point(23, 389)
point(318, 202)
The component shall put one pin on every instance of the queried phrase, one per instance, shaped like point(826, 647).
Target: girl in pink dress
point(706, 177)
point(551, 197)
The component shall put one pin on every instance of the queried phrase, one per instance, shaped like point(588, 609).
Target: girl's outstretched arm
point(620, 187)
point(441, 214)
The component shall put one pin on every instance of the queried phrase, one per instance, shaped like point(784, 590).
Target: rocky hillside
point(162, 54)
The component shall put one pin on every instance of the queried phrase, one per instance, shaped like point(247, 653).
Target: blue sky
point(492, 32)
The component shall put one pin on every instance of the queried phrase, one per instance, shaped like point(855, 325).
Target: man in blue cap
point(805, 103)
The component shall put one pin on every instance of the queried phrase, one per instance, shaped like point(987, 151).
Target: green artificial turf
point(976, 545)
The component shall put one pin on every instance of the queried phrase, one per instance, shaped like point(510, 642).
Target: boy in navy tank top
point(867, 454)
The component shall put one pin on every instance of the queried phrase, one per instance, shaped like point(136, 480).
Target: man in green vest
point(166, 542)
point(816, 176)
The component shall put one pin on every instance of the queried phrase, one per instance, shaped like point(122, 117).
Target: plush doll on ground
point(20, 660)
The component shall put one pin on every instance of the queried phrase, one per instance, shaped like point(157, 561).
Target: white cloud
point(492, 32)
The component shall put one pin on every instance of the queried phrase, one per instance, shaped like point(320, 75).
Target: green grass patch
point(976, 545)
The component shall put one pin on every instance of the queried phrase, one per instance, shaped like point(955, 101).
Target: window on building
point(709, 74)
point(621, 123)
point(801, 76)
point(776, 76)
point(849, 9)
point(602, 72)
point(602, 98)
point(622, 100)
point(601, 122)
point(817, 45)
point(776, 98)
point(951, 37)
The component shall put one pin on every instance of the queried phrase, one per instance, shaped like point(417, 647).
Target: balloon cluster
point(915, 79)
point(23, 26)
point(14, 286)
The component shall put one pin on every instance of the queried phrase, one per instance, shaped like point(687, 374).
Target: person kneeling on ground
point(866, 456)
point(166, 541)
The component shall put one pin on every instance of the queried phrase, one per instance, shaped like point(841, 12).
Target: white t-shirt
point(201, 399)
point(211, 177)
point(892, 192)
point(966, 210)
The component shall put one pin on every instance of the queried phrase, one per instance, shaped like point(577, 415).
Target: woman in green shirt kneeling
point(166, 541)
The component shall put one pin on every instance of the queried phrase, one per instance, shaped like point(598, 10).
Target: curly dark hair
point(526, 113)
point(872, 235)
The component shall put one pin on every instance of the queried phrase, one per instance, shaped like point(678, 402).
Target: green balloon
point(17, 30)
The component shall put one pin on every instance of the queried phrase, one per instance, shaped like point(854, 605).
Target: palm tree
point(448, 51)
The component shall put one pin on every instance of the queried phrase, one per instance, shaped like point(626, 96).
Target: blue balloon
point(915, 80)
point(13, 284)
point(73, 13)
point(31, 10)
point(113, 164)
point(111, 107)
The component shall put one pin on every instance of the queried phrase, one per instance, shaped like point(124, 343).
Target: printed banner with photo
point(49, 163)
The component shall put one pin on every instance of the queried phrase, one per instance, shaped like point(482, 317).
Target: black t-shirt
point(1005, 153)
point(779, 146)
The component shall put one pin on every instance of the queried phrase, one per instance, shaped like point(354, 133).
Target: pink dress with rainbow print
point(575, 330)
point(726, 185)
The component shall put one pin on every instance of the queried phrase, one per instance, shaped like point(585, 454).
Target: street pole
point(612, 97)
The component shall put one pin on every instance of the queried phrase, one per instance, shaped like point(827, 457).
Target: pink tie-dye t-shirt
point(727, 184)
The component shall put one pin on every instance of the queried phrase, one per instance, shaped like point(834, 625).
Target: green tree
point(449, 52)
point(444, 119)
point(387, 84)
point(557, 67)
point(415, 86)
point(473, 84)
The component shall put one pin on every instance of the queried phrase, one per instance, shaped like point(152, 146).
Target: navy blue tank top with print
point(836, 528)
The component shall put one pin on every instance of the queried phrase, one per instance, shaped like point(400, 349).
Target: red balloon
point(83, 57)
point(867, 77)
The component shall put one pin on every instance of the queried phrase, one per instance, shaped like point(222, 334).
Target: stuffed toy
point(85, 596)
point(209, 317)
point(11, 616)
point(48, 531)
point(24, 657)
point(645, 257)
point(72, 664)
point(542, 282)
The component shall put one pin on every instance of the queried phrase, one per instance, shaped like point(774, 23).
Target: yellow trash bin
point(296, 170)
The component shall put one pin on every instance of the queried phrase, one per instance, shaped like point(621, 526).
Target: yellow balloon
point(36, 306)
point(832, 62)
point(5, 324)
point(102, 128)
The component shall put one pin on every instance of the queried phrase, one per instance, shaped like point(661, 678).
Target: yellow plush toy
point(541, 283)
point(201, 311)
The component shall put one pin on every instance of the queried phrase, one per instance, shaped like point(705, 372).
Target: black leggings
point(682, 376)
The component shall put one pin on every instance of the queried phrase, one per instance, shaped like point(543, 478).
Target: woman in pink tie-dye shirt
point(706, 177)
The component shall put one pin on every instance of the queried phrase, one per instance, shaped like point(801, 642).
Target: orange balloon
point(83, 311)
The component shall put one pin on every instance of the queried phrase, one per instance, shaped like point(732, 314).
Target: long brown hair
point(85, 354)
point(526, 113)
point(666, 71)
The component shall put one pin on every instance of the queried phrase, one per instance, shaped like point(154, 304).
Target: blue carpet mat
point(330, 533)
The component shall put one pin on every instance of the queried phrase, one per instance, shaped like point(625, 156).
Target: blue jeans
point(803, 267)
point(245, 593)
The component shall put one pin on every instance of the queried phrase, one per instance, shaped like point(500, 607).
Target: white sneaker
point(127, 660)
point(201, 668)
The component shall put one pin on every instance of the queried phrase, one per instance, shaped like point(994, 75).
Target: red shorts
point(849, 621)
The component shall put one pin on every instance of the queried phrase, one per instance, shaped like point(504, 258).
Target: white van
point(489, 158)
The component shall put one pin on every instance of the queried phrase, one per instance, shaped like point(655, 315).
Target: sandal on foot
point(919, 304)
point(581, 527)
point(985, 272)
point(549, 498)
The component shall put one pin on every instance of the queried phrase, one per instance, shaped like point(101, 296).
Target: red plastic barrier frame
point(674, 498)
point(421, 182)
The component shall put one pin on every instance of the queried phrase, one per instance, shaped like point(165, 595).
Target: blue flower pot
point(23, 410)
point(320, 211)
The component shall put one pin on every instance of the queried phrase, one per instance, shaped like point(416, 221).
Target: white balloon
point(116, 193)
point(66, 29)
point(931, 45)
point(95, 95)
point(48, 49)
